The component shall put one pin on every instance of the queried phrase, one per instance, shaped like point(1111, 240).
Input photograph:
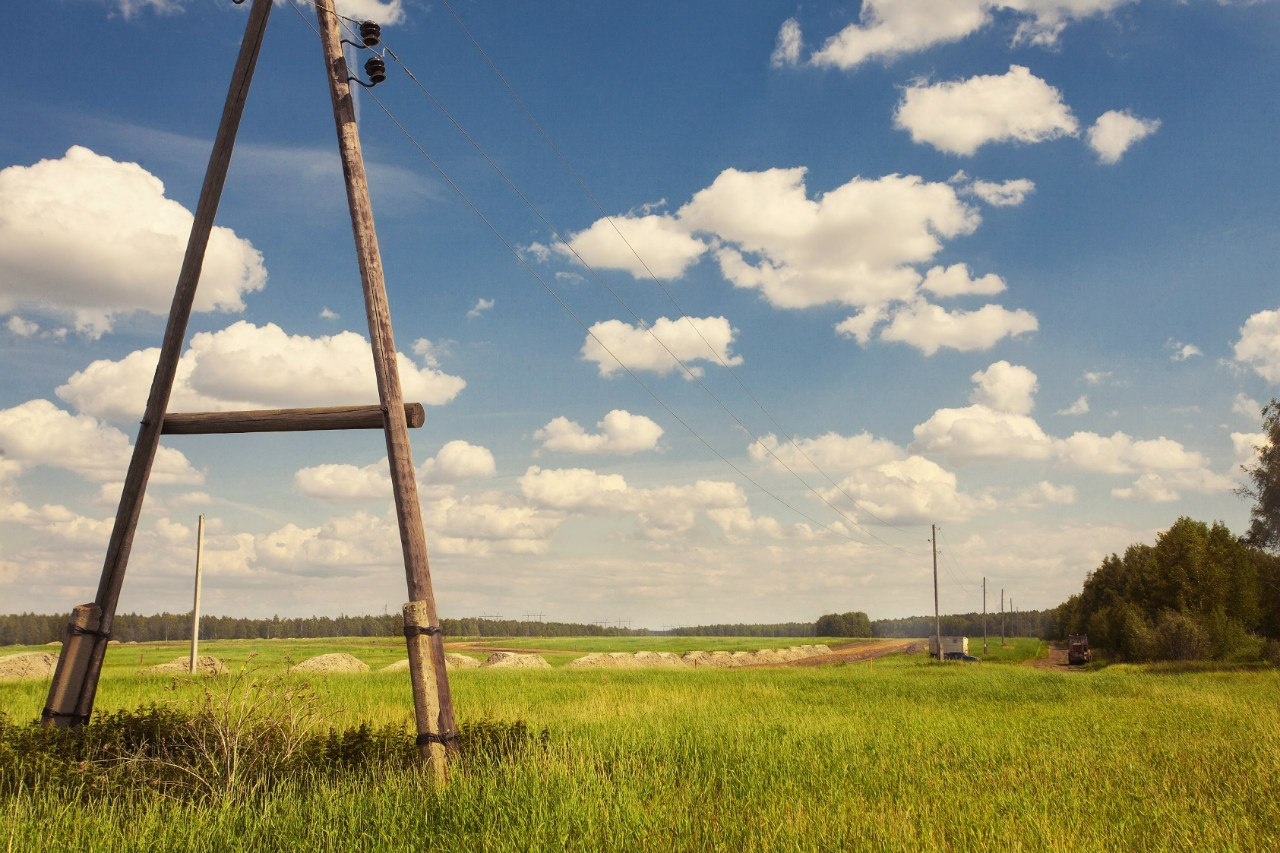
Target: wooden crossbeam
point(287, 420)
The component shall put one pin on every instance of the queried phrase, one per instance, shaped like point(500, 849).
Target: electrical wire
point(586, 190)
point(595, 276)
point(839, 530)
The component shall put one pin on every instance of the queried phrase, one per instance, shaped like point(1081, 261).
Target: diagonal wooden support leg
point(75, 681)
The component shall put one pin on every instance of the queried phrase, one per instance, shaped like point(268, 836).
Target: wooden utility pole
point(75, 681)
point(433, 705)
point(1002, 618)
point(195, 606)
point(937, 620)
point(984, 616)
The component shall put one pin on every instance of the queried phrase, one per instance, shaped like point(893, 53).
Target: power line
point(586, 190)
point(569, 310)
point(387, 51)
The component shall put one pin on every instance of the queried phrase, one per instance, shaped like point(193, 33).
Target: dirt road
point(1056, 660)
point(861, 652)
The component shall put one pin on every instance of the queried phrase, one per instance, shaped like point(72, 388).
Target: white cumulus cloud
point(456, 462)
point(786, 51)
point(929, 327)
point(978, 432)
point(688, 339)
point(961, 116)
point(641, 245)
point(1259, 345)
point(340, 481)
point(621, 432)
point(1010, 193)
point(1116, 131)
point(854, 244)
point(251, 367)
point(956, 280)
point(39, 433)
point(1079, 407)
point(1005, 387)
point(890, 28)
point(92, 239)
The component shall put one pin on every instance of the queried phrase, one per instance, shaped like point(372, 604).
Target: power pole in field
point(984, 616)
point(75, 680)
point(937, 620)
point(433, 704)
point(195, 605)
point(1002, 618)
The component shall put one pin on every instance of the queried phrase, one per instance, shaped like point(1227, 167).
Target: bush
point(241, 740)
point(1177, 636)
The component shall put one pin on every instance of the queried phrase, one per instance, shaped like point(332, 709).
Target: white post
point(195, 607)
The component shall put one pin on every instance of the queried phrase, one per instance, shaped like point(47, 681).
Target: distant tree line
point(36, 628)
point(1023, 623)
point(1199, 593)
point(780, 629)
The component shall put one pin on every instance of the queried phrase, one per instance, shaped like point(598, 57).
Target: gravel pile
point(719, 660)
point(329, 664)
point(452, 660)
point(28, 665)
point(511, 660)
point(205, 665)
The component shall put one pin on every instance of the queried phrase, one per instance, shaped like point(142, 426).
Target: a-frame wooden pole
point(433, 705)
point(75, 681)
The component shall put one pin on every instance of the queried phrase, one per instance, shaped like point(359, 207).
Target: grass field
point(902, 755)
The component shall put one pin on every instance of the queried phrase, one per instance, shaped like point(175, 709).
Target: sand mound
point(329, 664)
point(29, 665)
point(622, 660)
point(452, 660)
point(205, 665)
point(511, 660)
point(595, 660)
point(659, 659)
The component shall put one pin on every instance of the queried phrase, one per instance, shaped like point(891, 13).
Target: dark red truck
point(1078, 650)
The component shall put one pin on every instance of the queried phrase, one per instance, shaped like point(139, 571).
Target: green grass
point(905, 755)
point(1014, 650)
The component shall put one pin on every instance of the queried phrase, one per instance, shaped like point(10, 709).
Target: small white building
point(949, 645)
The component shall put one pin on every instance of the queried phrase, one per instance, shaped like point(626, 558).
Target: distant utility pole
point(195, 606)
point(937, 620)
point(984, 616)
point(1002, 618)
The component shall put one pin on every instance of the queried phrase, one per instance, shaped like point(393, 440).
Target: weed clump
point(239, 741)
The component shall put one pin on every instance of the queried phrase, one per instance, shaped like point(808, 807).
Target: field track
point(1055, 659)
point(860, 652)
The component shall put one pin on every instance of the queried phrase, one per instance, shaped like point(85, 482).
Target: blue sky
point(1006, 267)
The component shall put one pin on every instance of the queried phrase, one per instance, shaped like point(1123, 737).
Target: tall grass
point(905, 755)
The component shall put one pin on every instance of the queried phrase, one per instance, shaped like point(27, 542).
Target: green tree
point(852, 624)
point(1264, 527)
